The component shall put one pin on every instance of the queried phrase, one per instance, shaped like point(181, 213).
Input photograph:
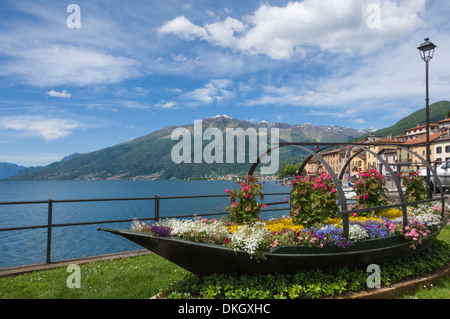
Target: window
point(447, 148)
point(439, 149)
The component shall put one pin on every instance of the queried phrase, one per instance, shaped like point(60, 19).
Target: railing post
point(156, 208)
point(435, 177)
point(49, 229)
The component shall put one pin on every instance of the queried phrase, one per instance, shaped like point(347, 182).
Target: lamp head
point(427, 50)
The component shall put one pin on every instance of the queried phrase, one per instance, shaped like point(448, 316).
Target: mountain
point(10, 169)
point(149, 156)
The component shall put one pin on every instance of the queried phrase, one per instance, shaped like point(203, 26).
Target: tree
point(289, 170)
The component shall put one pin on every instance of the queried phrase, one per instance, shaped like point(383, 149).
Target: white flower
point(138, 225)
point(357, 232)
point(429, 219)
point(426, 214)
point(247, 238)
point(197, 228)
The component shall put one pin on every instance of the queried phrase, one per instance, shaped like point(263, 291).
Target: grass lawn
point(128, 278)
point(139, 278)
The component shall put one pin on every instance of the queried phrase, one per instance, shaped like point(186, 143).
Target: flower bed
point(263, 236)
point(312, 221)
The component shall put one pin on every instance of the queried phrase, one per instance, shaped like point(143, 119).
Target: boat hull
point(205, 259)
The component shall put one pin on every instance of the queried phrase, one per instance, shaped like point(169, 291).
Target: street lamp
point(426, 53)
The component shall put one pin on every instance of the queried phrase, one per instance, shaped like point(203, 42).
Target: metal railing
point(156, 216)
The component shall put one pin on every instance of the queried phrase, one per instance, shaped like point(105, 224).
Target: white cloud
point(279, 32)
point(63, 94)
point(386, 80)
point(358, 121)
point(39, 126)
point(166, 105)
point(183, 28)
point(67, 65)
point(179, 57)
point(187, 6)
point(217, 90)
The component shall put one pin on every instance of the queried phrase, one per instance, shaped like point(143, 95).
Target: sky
point(79, 76)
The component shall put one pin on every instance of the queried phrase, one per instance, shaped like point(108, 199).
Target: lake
point(24, 247)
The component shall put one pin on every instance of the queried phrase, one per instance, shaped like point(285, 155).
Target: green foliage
point(370, 190)
point(289, 170)
point(313, 199)
point(244, 206)
point(414, 186)
point(144, 276)
point(307, 285)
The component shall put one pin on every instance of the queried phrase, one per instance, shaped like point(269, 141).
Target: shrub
point(414, 186)
point(244, 207)
point(313, 199)
point(370, 189)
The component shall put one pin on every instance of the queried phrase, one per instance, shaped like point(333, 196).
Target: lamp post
point(426, 53)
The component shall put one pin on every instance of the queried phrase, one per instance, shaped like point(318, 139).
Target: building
point(420, 130)
point(417, 146)
point(399, 159)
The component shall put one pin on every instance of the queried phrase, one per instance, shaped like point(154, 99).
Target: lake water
point(24, 247)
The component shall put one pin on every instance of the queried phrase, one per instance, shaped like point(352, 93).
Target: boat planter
point(205, 259)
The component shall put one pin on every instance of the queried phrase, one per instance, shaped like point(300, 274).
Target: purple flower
point(160, 231)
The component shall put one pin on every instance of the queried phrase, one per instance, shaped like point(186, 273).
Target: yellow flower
point(336, 221)
point(232, 229)
point(281, 224)
point(391, 213)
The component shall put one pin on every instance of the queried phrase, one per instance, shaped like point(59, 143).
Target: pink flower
point(333, 190)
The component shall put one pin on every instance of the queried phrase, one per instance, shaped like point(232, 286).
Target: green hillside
point(438, 112)
point(149, 157)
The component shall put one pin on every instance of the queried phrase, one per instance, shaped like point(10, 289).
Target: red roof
point(422, 139)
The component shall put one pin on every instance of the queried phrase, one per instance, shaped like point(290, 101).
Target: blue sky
point(132, 67)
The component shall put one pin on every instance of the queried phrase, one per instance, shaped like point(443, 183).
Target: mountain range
point(149, 156)
point(10, 169)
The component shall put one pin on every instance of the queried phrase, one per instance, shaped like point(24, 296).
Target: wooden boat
point(204, 259)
